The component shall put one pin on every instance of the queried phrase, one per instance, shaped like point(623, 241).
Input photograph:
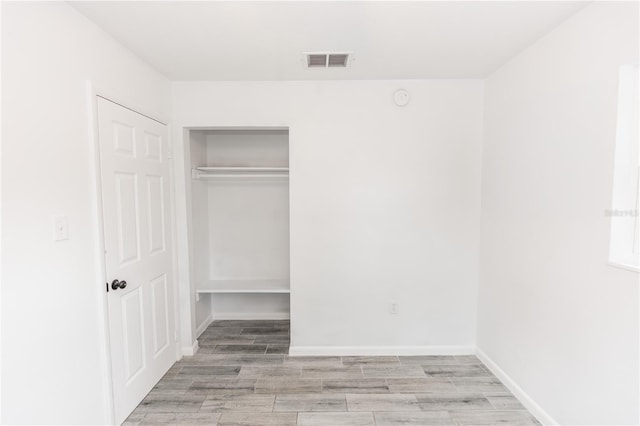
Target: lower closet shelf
point(244, 286)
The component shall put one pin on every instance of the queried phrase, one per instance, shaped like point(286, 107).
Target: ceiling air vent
point(316, 60)
point(338, 60)
point(327, 60)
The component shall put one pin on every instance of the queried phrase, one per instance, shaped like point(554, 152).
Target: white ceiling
point(266, 40)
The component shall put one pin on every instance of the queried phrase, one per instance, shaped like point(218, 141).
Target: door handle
point(118, 284)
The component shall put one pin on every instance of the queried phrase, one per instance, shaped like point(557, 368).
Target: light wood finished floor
point(241, 376)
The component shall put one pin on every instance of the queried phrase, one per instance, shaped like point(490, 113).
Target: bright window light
point(625, 226)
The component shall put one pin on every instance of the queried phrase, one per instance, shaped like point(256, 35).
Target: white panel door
point(135, 204)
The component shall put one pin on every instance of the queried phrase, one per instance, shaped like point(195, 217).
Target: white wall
point(249, 218)
point(553, 315)
point(53, 355)
point(384, 205)
point(249, 229)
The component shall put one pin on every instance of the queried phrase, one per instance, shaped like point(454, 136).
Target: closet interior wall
point(199, 227)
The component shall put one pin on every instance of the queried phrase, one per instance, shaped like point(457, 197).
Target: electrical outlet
point(393, 308)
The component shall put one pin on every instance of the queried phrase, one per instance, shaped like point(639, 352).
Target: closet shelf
point(244, 286)
point(238, 172)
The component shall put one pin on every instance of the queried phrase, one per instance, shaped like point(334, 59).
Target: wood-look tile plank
point(277, 349)
point(330, 372)
point(413, 418)
point(401, 371)
point(335, 419)
point(370, 360)
point(355, 386)
point(484, 417)
point(167, 392)
point(421, 385)
point(235, 339)
point(313, 361)
point(212, 338)
point(208, 345)
point(255, 419)
point(382, 402)
point(171, 403)
point(453, 401)
point(265, 331)
point(183, 419)
point(288, 385)
point(310, 402)
point(208, 370)
point(250, 403)
point(233, 359)
point(272, 340)
point(478, 384)
point(240, 349)
point(173, 371)
point(428, 360)
point(243, 323)
point(174, 384)
point(467, 359)
point(230, 386)
point(270, 371)
point(460, 370)
point(217, 331)
point(504, 401)
point(215, 403)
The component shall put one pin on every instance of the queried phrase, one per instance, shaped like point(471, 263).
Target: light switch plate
point(60, 228)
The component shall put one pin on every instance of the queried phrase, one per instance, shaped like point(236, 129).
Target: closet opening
point(239, 233)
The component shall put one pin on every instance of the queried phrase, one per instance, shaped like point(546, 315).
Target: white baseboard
point(379, 350)
point(202, 327)
point(533, 407)
point(190, 350)
point(251, 316)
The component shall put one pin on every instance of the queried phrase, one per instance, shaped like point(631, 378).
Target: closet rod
point(238, 175)
point(246, 172)
point(248, 169)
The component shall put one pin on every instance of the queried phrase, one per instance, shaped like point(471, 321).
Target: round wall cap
point(401, 97)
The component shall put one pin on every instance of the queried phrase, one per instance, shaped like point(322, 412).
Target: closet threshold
point(225, 171)
point(244, 286)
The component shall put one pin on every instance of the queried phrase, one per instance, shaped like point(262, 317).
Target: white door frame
point(93, 92)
